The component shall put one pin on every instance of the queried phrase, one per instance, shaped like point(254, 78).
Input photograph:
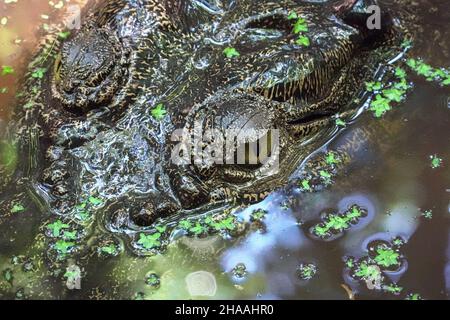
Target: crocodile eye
point(89, 70)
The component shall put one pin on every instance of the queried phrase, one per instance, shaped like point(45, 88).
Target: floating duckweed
point(303, 41)
point(149, 241)
point(64, 35)
point(387, 257)
point(185, 224)
point(440, 75)
point(393, 288)
point(306, 271)
point(349, 262)
point(239, 271)
point(368, 272)
point(223, 223)
point(305, 185)
point(153, 280)
point(436, 162)
point(258, 215)
point(159, 112)
point(56, 227)
point(428, 214)
point(385, 95)
point(331, 158)
point(110, 250)
point(95, 201)
point(341, 123)
point(63, 247)
point(337, 223)
point(382, 256)
point(198, 229)
point(39, 73)
point(17, 207)
point(413, 296)
point(300, 26)
point(6, 70)
point(231, 52)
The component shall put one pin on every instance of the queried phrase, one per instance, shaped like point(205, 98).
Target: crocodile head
point(129, 91)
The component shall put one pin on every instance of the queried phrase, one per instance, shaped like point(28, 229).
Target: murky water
point(391, 177)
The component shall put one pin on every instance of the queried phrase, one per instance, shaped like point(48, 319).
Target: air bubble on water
point(201, 283)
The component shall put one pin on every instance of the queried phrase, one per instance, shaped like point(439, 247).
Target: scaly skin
point(90, 118)
point(89, 130)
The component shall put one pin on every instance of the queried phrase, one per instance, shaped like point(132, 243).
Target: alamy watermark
point(374, 20)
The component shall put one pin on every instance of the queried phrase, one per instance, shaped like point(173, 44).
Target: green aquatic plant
point(427, 214)
point(368, 272)
point(159, 112)
point(382, 256)
point(325, 176)
point(240, 270)
point(393, 288)
point(436, 162)
point(149, 241)
point(17, 207)
point(387, 257)
point(63, 35)
point(292, 15)
point(258, 215)
point(95, 201)
point(153, 280)
point(387, 94)
point(6, 70)
point(39, 73)
point(300, 26)
point(331, 159)
point(63, 247)
point(440, 75)
point(341, 123)
point(338, 223)
point(380, 106)
point(56, 227)
point(69, 235)
point(225, 224)
point(198, 229)
point(185, 224)
point(303, 41)
point(231, 52)
point(305, 185)
point(413, 296)
point(109, 250)
point(374, 86)
point(306, 271)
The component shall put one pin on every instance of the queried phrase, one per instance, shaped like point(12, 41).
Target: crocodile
point(98, 121)
point(101, 120)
